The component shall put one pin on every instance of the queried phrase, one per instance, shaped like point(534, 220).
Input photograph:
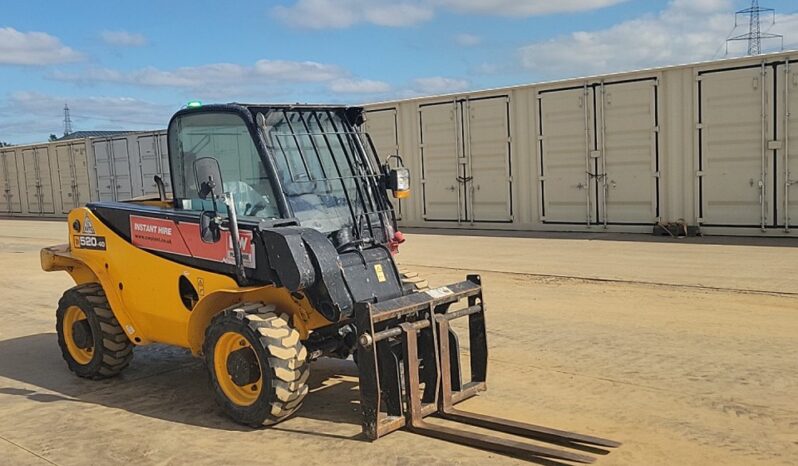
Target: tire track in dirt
point(555, 277)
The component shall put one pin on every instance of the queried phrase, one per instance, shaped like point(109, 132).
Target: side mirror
point(209, 177)
point(210, 232)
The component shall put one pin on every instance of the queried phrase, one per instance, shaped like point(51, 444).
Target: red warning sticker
point(221, 251)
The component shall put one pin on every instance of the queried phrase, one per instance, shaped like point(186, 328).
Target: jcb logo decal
point(89, 242)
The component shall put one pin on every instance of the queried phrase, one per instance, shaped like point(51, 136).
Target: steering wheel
point(253, 211)
point(301, 184)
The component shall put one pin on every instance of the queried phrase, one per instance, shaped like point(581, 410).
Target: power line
point(754, 35)
point(726, 43)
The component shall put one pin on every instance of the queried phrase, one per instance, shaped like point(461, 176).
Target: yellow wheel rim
point(242, 395)
point(72, 315)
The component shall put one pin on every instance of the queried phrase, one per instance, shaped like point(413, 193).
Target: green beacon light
point(194, 104)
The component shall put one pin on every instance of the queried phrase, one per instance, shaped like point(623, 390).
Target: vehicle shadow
point(163, 382)
point(169, 384)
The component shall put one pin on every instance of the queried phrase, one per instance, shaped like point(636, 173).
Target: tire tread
point(116, 349)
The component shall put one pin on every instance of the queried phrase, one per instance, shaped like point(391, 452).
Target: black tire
point(105, 347)
point(281, 362)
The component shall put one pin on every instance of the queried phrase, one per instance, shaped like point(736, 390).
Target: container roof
point(91, 134)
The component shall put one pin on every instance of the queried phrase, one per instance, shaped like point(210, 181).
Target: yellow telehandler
point(276, 247)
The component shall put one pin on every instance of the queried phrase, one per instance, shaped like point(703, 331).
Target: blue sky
point(130, 65)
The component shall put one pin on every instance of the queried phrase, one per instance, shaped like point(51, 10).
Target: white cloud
point(32, 116)
point(439, 85)
point(297, 71)
point(123, 38)
point(214, 76)
point(467, 40)
point(103, 107)
point(33, 48)
point(685, 31)
point(359, 86)
point(319, 14)
point(524, 7)
point(230, 80)
point(487, 68)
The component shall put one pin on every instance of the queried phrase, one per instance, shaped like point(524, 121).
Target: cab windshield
point(320, 161)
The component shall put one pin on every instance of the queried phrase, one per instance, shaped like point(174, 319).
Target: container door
point(44, 173)
point(489, 184)
point(150, 162)
point(568, 159)
point(123, 182)
point(80, 162)
point(442, 161)
point(5, 204)
point(787, 143)
point(31, 181)
point(735, 178)
point(163, 153)
point(9, 182)
point(66, 175)
point(628, 144)
point(381, 126)
point(104, 168)
point(12, 177)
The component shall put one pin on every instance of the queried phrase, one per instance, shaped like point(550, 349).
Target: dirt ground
point(685, 350)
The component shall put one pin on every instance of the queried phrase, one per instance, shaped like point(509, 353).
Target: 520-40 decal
point(96, 243)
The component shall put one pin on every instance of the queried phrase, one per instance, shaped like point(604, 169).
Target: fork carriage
point(409, 362)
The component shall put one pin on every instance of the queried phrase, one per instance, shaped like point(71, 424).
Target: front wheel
point(258, 367)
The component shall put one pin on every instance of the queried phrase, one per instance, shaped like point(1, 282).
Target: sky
point(132, 64)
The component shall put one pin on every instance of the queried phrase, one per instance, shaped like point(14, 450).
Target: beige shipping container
point(125, 166)
point(50, 179)
point(711, 145)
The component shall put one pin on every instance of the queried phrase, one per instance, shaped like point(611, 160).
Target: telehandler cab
point(276, 247)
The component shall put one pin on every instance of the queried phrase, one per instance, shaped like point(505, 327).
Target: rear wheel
point(92, 342)
point(258, 367)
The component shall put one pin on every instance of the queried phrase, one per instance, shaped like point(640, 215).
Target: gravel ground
point(685, 350)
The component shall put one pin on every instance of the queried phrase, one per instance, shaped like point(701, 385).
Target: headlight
point(400, 179)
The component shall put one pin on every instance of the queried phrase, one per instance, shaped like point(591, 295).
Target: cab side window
point(225, 137)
